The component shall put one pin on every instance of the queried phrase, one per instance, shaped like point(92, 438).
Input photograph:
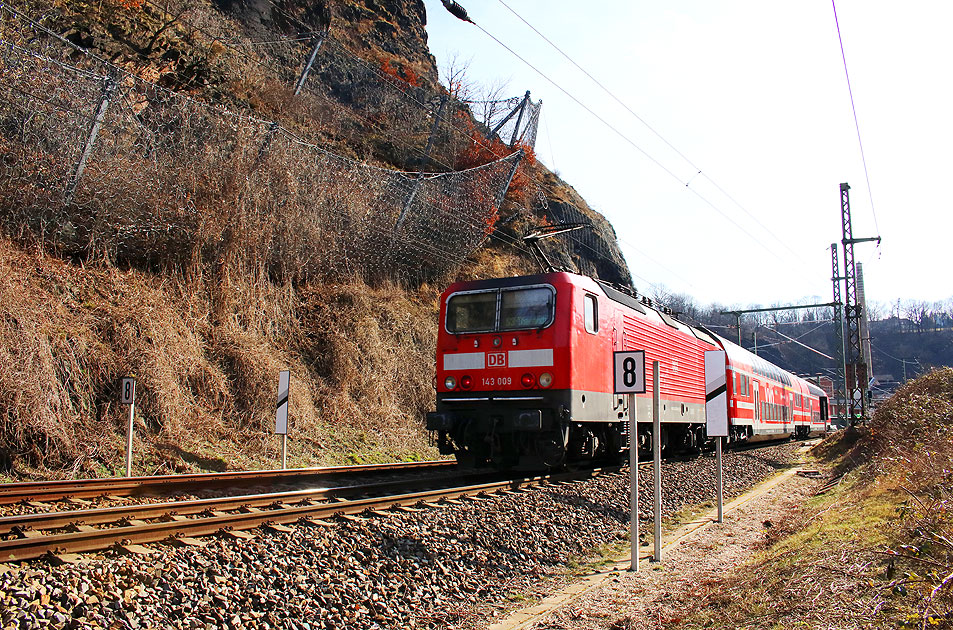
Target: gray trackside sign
point(127, 390)
point(716, 394)
point(281, 417)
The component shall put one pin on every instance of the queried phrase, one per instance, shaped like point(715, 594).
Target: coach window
point(592, 313)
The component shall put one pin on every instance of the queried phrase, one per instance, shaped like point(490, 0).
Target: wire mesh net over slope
point(98, 162)
point(514, 120)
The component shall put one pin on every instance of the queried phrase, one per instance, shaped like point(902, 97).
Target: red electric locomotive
point(524, 375)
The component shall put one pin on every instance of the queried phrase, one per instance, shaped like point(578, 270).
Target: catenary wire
point(628, 140)
point(853, 108)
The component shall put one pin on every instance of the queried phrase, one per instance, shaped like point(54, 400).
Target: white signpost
point(716, 413)
point(629, 378)
point(281, 416)
point(657, 457)
point(127, 396)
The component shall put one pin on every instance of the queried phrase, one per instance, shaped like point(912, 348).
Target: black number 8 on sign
point(629, 372)
point(629, 377)
point(127, 391)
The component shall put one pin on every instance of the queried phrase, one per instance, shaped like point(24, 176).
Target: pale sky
point(754, 93)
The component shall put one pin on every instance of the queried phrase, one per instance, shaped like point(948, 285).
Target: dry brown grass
point(875, 551)
point(206, 352)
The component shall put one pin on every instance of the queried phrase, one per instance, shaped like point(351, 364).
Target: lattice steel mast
point(840, 383)
point(855, 366)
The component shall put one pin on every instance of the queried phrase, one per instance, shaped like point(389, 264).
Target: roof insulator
point(456, 10)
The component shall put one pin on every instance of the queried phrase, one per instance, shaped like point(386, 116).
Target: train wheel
point(550, 449)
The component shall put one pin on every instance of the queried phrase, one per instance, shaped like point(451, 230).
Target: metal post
point(423, 163)
point(755, 342)
point(853, 314)
point(109, 86)
point(634, 480)
point(281, 415)
point(132, 415)
point(318, 40)
point(738, 322)
point(519, 119)
point(657, 457)
point(500, 124)
point(499, 198)
point(433, 131)
point(720, 483)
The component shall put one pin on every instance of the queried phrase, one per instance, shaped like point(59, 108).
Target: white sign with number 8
point(629, 372)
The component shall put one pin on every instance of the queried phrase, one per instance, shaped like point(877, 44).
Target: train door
point(757, 401)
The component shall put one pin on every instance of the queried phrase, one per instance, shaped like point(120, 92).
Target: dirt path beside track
point(660, 595)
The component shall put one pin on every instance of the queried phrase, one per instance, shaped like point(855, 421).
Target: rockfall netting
point(514, 120)
point(97, 162)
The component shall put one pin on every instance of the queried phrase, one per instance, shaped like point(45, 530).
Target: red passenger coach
point(766, 402)
point(524, 374)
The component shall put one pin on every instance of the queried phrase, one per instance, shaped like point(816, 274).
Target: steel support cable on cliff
point(853, 108)
point(628, 140)
point(655, 132)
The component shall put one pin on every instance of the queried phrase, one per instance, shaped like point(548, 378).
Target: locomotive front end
point(501, 398)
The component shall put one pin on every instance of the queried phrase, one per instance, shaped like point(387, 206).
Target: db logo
point(496, 359)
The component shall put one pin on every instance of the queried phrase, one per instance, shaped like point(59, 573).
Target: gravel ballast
point(454, 566)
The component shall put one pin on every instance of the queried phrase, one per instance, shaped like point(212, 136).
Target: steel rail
point(91, 539)
point(21, 523)
point(130, 486)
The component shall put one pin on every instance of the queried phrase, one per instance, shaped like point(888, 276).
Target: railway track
point(59, 533)
point(181, 522)
point(48, 491)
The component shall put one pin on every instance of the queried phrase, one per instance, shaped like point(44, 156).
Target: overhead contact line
point(853, 108)
point(697, 168)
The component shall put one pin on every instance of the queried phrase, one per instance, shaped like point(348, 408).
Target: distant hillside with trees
point(907, 338)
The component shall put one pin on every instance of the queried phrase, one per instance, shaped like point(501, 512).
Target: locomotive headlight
point(528, 380)
point(450, 382)
point(466, 382)
point(545, 379)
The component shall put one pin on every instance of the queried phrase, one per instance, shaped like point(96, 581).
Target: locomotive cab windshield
point(521, 308)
